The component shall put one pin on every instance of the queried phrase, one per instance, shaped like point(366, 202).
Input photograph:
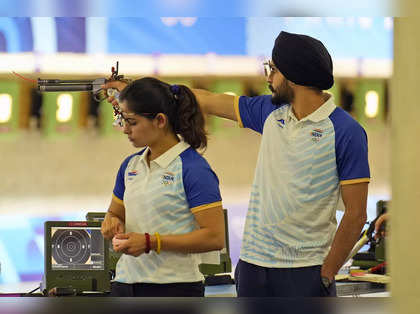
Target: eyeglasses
point(269, 68)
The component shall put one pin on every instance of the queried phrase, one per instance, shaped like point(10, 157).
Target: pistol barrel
point(65, 88)
point(59, 82)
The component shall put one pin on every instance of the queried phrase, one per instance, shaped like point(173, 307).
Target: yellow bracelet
point(158, 246)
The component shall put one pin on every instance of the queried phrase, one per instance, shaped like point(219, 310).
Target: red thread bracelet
point(147, 236)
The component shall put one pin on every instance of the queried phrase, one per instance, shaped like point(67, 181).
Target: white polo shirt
point(162, 199)
point(301, 164)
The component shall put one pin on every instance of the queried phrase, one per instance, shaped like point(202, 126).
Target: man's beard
point(283, 95)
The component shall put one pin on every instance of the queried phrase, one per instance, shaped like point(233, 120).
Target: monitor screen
point(77, 248)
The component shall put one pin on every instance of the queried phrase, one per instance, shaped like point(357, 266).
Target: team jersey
point(163, 198)
point(301, 165)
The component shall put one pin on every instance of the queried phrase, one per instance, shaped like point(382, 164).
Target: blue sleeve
point(253, 111)
point(201, 186)
point(351, 153)
point(119, 187)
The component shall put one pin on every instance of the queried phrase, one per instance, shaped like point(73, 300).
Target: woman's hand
point(130, 243)
point(111, 226)
point(118, 85)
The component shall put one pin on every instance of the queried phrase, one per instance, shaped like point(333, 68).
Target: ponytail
point(189, 122)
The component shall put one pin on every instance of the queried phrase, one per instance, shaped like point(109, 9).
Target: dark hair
point(149, 96)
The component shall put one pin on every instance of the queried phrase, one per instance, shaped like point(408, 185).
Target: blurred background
point(59, 153)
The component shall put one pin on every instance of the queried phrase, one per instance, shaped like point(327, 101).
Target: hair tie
point(175, 90)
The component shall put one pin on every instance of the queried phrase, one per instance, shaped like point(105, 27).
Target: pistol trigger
point(97, 97)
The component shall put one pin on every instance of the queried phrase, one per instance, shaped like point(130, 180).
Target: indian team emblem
point(316, 134)
point(168, 178)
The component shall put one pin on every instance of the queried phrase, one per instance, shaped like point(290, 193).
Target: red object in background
point(77, 224)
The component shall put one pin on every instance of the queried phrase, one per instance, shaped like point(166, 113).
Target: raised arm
point(220, 105)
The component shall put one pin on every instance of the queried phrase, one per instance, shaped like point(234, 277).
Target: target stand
point(75, 258)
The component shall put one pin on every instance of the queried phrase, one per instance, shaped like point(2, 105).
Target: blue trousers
point(181, 289)
point(256, 281)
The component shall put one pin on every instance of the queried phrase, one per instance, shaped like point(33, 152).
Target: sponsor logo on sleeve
point(281, 123)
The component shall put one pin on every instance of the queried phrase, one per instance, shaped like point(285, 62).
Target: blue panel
point(178, 36)
point(3, 42)
point(10, 32)
point(156, 8)
point(201, 8)
point(122, 8)
point(71, 34)
point(24, 27)
point(23, 241)
point(343, 37)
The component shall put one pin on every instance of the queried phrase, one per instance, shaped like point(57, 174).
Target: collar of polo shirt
point(170, 155)
point(320, 114)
